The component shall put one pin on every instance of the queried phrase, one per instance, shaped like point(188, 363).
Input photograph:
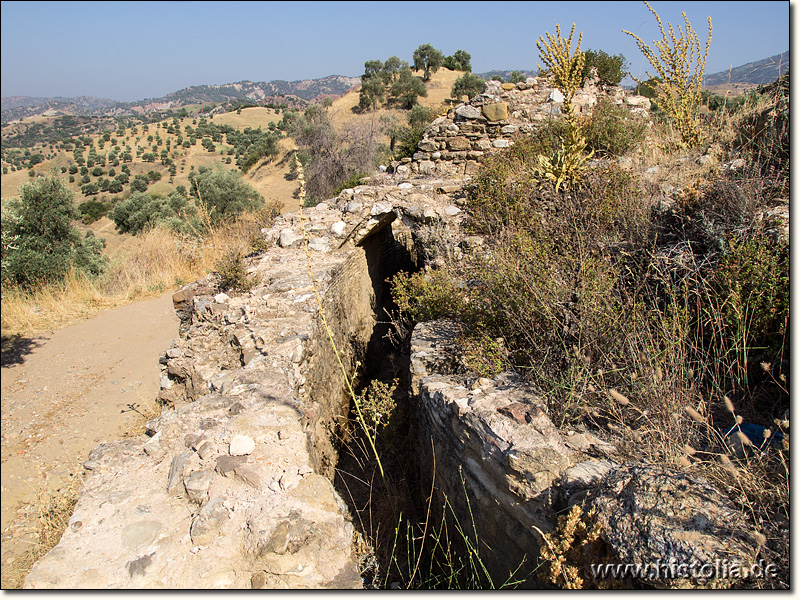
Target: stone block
point(428, 145)
point(496, 112)
point(468, 112)
point(458, 144)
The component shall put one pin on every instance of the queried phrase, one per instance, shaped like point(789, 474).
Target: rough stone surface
point(650, 514)
point(509, 459)
point(241, 445)
point(252, 375)
point(503, 464)
point(497, 111)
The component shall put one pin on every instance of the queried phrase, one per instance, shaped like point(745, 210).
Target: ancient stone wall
point(507, 471)
point(455, 143)
point(230, 487)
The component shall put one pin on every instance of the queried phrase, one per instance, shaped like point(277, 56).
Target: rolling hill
point(298, 92)
point(750, 75)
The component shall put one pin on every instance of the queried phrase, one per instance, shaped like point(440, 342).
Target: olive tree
point(427, 59)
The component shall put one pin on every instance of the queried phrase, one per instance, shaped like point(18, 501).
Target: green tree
point(406, 89)
point(372, 68)
point(610, 69)
point(427, 59)
point(89, 189)
point(459, 61)
point(392, 68)
point(39, 243)
point(225, 194)
point(139, 184)
point(469, 85)
point(373, 91)
point(516, 77)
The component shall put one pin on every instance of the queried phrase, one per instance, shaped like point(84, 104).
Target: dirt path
point(65, 392)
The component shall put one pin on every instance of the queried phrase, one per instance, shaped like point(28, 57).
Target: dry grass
point(150, 264)
point(256, 116)
point(53, 509)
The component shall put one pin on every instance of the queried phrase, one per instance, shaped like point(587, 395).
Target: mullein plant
point(566, 69)
point(680, 64)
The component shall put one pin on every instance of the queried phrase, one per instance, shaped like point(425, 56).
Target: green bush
point(39, 243)
point(469, 85)
point(406, 138)
point(91, 210)
point(751, 283)
point(224, 193)
point(142, 211)
point(612, 130)
point(610, 69)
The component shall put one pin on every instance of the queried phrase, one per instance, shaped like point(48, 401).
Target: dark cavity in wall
point(357, 305)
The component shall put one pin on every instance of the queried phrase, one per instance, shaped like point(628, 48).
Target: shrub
point(407, 138)
point(232, 273)
point(91, 210)
point(39, 243)
point(143, 211)
point(610, 69)
point(427, 295)
point(752, 286)
point(467, 85)
point(612, 130)
point(224, 193)
point(330, 156)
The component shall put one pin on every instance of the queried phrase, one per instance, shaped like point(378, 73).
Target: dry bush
point(333, 154)
point(637, 316)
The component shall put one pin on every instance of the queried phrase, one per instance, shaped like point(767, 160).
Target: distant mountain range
point(759, 72)
point(279, 91)
point(505, 74)
point(297, 93)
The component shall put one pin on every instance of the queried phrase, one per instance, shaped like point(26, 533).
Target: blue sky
point(135, 50)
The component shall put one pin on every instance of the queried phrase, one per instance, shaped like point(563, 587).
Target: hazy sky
point(134, 50)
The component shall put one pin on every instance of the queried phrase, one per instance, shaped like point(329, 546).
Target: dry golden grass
point(53, 509)
point(255, 116)
point(10, 182)
point(147, 265)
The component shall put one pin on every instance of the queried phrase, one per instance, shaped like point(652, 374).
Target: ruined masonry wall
point(454, 144)
point(230, 486)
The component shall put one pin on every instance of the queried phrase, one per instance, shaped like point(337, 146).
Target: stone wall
point(496, 457)
point(454, 144)
point(230, 487)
